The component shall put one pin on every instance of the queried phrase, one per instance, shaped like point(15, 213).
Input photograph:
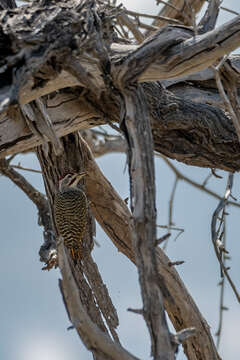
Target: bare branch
point(48, 250)
point(162, 239)
point(175, 53)
point(215, 234)
point(102, 144)
point(169, 4)
point(113, 215)
point(177, 9)
point(38, 59)
point(222, 288)
point(94, 339)
point(40, 123)
point(125, 20)
point(228, 103)
point(201, 187)
point(7, 4)
point(171, 118)
point(209, 19)
point(181, 57)
point(92, 291)
point(155, 17)
point(136, 311)
point(178, 262)
point(25, 169)
point(135, 123)
point(44, 78)
point(111, 144)
point(228, 10)
point(34, 195)
point(170, 209)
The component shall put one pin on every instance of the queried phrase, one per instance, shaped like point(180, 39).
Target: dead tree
point(67, 67)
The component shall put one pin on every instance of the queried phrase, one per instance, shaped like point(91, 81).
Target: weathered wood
point(7, 4)
point(31, 64)
point(184, 53)
point(113, 215)
point(67, 112)
point(94, 294)
point(101, 345)
point(136, 126)
point(196, 134)
point(180, 10)
point(208, 21)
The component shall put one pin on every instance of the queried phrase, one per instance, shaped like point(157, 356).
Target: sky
point(33, 318)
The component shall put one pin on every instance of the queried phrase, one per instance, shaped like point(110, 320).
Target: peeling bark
point(33, 65)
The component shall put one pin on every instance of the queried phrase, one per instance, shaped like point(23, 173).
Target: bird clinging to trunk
point(70, 212)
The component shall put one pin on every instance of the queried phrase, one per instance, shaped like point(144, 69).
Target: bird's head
point(70, 180)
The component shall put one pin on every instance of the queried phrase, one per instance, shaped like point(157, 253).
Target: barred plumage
point(70, 210)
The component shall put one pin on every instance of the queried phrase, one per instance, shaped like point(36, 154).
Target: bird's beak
point(78, 177)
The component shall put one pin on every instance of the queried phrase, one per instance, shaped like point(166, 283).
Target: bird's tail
point(76, 255)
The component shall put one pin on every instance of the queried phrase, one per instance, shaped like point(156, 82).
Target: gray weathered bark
point(113, 215)
point(212, 143)
point(87, 75)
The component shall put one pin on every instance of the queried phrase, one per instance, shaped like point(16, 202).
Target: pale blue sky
point(33, 319)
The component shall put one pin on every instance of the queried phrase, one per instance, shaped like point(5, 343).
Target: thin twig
point(171, 228)
point(215, 174)
point(147, 26)
point(227, 10)
point(155, 17)
point(222, 308)
point(221, 207)
point(136, 311)
point(170, 212)
point(132, 27)
point(170, 5)
point(122, 34)
point(194, 183)
point(170, 208)
point(26, 169)
point(180, 175)
point(34, 195)
point(162, 239)
point(125, 33)
point(48, 250)
point(207, 179)
point(174, 263)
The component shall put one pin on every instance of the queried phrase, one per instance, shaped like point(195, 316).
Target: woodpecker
point(70, 212)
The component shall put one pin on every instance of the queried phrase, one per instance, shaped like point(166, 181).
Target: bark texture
point(93, 293)
point(33, 64)
point(113, 215)
point(65, 67)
